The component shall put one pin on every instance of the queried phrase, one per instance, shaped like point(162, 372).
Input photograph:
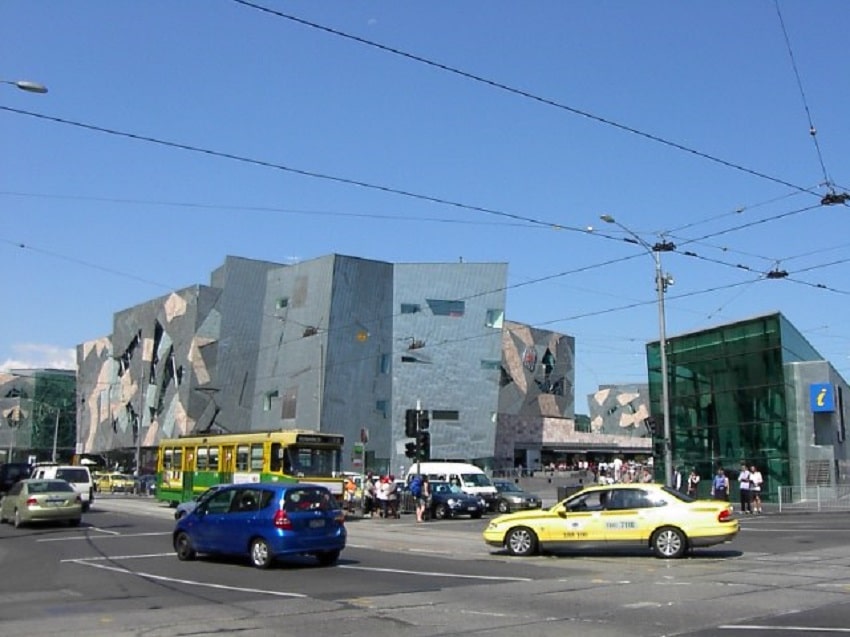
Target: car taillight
point(725, 515)
point(281, 520)
point(31, 502)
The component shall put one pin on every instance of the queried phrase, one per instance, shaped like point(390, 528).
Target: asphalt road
point(116, 575)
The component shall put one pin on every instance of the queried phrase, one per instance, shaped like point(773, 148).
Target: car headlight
point(452, 502)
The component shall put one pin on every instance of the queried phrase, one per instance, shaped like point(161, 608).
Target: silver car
point(510, 497)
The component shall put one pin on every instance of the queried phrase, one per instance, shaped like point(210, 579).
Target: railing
point(814, 498)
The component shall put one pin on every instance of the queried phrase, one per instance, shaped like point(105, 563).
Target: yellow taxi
point(617, 515)
point(114, 483)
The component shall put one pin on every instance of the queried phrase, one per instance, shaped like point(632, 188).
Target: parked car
point(33, 500)
point(144, 485)
point(264, 521)
point(11, 472)
point(114, 483)
point(185, 508)
point(511, 497)
point(449, 500)
point(637, 516)
point(78, 475)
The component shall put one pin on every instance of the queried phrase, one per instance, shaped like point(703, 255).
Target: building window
point(384, 363)
point(288, 403)
point(485, 364)
point(410, 308)
point(268, 398)
point(495, 318)
point(381, 407)
point(282, 303)
point(442, 307)
point(445, 414)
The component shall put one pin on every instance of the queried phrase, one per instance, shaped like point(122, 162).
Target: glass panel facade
point(728, 397)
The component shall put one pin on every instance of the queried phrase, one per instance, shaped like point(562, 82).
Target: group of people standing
point(381, 496)
point(750, 482)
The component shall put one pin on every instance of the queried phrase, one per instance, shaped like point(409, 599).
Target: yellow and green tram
point(189, 465)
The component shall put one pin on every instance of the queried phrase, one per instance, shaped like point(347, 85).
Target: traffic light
point(651, 426)
point(423, 443)
point(410, 449)
point(410, 423)
point(422, 420)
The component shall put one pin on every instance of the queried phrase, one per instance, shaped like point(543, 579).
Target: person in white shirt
point(744, 489)
point(756, 480)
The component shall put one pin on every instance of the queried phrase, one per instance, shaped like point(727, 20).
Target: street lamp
point(662, 280)
point(25, 85)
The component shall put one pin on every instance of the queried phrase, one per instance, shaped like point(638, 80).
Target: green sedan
point(36, 500)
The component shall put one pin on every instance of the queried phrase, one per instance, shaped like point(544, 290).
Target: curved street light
point(26, 85)
point(662, 280)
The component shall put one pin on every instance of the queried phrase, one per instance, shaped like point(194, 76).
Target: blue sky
point(510, 126)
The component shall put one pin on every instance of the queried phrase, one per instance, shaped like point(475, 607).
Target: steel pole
point(55, 435)
point(661, 283)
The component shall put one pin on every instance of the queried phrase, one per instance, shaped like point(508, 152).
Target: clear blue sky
point(683, 118)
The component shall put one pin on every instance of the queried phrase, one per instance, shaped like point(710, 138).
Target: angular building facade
point(337, 344)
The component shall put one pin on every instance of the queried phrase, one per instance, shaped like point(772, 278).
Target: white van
point(78, 475)
point(468, 477)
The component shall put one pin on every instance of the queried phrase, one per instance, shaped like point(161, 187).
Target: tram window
point(202, 463)
point(213, 465)
point(276, 459)
point(178, 459)
point(256, 457)
point(242, 457)
point(167, 458)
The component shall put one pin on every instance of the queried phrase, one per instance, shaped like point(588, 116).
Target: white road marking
point(495, 578)
point(176, 580)
point(790, 629)
point(109, 536)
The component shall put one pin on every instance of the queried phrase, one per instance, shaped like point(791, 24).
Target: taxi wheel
point(183, 547)
point(261, 556)
point(17, 520)
point(521, 541)
point(669, 543)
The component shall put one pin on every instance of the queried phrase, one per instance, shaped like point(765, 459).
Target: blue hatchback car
point(264, 521)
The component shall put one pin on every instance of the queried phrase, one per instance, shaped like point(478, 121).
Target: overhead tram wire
point(812, 129)
point(289, 169)
point(527, 95)
point(832, 197)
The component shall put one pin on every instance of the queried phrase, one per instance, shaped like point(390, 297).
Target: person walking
point(369, 503)
point(423, 497)
point(693, 483)
point(756, 480)
point(720, 486)
point(744, 489)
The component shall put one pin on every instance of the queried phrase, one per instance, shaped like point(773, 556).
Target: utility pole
point(55, 434)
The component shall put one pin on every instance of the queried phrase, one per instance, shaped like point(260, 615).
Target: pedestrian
point(677, 479)
point(693, 483)
point(756, 480)
point(720, 486)
point(382, 490)
point(369, 504)
point(744, 489)
point(423, 498)
point(350, 489)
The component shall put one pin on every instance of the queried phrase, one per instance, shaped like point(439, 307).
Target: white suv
point(78, 475)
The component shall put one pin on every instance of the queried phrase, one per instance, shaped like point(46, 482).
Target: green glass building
point(755, 391)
